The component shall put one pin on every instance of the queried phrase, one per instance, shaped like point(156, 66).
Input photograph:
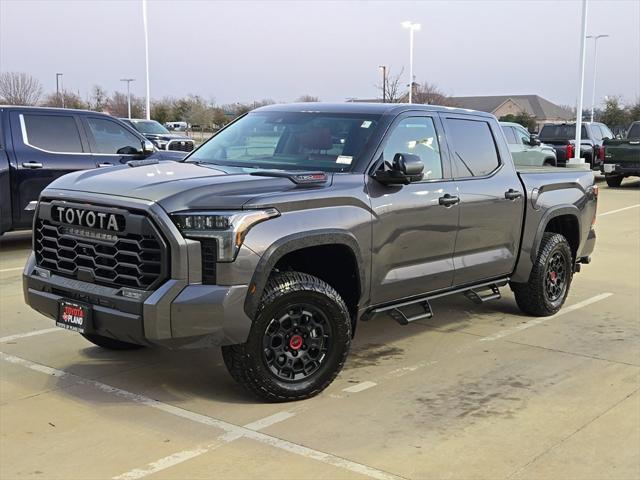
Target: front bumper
point(199, 315)
point(181, 311)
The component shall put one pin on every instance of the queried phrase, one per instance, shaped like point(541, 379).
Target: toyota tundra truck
point(276, 237)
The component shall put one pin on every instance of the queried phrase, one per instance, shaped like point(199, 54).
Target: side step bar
point(475, 293)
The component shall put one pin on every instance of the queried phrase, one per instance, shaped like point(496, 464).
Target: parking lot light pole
point(577, 160)
point(58, 82)
point(146, 55)
point(595, 63)
point(128, 80)
point(383, 68)
point(413, 27)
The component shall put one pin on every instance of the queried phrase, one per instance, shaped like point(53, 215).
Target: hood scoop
point(298, 178)
point(142, 163)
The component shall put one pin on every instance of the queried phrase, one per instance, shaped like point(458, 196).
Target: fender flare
point(298, 241)
point(549, 215)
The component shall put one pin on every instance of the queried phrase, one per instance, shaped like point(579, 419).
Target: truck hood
point(179, 186)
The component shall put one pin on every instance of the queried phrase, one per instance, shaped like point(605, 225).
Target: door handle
point(448, 200)
point(105, 164)
point(32, 164)
point(512, 194)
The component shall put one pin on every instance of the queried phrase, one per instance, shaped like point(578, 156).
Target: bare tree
point(17, 88)
point(430, 94)
point(391, 89)
point(66, 98)
point(99, 99)
point(307, 98)
point(118, 105)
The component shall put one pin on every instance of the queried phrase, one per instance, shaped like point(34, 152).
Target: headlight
point(161, 144)
point(227, 228)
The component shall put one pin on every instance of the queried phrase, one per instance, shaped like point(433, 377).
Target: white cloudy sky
point(246, 50)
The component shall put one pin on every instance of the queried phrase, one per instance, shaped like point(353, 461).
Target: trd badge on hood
point(89, 218)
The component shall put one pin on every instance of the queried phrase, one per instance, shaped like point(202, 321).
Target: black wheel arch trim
point(298, 241)
point(549, 215)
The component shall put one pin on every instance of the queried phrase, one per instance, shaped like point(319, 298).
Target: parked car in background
point(562, 137)
point(526, 148)
point(162, 138)
point(38, 145)
point(622, 157)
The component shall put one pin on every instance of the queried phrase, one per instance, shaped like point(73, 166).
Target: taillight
point(601, 153)
point(570, 151)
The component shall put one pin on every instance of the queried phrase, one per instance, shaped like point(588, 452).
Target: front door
point(491, 200)
point(413, 233)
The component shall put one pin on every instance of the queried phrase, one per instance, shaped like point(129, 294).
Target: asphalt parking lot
point(475, 392)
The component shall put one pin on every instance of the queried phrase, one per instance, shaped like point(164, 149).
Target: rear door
point(46, 145)
point(491, 199)
point(413, 232)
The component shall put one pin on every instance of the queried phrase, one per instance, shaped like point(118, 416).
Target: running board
point(479, 298)
point(473, 293)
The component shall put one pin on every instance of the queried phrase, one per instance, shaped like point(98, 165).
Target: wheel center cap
point(295, 342)
point(554, 276)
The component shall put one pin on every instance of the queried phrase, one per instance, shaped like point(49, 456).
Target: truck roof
point(364, 108)
point(50, 109)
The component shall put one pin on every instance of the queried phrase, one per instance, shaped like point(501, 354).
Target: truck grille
point(134, 259)
point(181, 145)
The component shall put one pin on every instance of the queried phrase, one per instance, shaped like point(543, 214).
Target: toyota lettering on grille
point(89, 218)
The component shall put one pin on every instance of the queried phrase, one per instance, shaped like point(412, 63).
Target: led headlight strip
point(228, 228)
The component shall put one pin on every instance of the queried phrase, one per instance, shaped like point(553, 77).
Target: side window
point(112, 138)
point(55, 133)
point(523, 136)
point(597, 134)
point(474, 148)
point(511, 137)
point(416, 135)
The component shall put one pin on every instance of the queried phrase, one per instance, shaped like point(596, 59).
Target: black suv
point(162, 138)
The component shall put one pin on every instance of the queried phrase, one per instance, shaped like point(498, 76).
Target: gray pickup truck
point(295, 222)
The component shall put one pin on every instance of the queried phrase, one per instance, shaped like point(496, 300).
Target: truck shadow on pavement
point(179, 376)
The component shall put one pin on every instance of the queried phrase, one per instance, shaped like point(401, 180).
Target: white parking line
point(359, 387)
point(17, 336)
point(226, 427)
point(538, 321)
point(180, 457)
point(619, 210)
point(3, 270)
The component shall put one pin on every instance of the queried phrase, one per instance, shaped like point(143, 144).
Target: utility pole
point(128, 80)
point(58, 82)
point(595, 63)
point(576, 160)
point(146, 55)
point(413, 27)
point(384, 83)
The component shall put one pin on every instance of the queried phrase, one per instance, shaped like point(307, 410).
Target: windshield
point(329, 142)
point(560, 132)
point(150, 126)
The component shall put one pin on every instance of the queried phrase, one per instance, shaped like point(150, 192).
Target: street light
point(146, 55)
point(413, 27)
point(595, 61)
point(128, 80)
point(58, 82)
point(383, 68)
point(576, 160)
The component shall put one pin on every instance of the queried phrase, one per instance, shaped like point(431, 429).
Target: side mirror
point(534, 141)
point(147, 147)
point(406, 168)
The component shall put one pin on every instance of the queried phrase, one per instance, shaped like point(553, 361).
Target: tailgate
point(622, 151)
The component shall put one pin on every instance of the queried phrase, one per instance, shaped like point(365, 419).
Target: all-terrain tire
point(533, 297)
point(613, 180)
point(110, 343)
point(248, 363)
